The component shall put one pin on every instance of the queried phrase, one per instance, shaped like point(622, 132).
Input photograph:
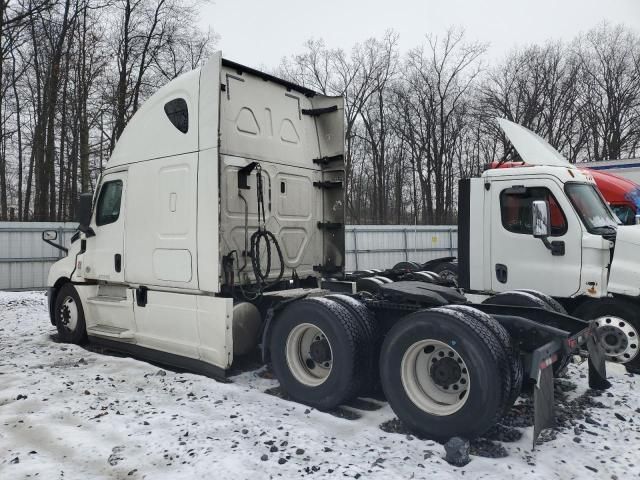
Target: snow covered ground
point(71, 412)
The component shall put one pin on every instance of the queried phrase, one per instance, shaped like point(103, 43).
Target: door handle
point(501, 272)
point(117, 262)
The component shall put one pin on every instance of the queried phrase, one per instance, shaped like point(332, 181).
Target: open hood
point(533, 149)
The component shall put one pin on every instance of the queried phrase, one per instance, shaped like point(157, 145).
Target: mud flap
point(543, 403)
point(266, 325)
point(597, 365)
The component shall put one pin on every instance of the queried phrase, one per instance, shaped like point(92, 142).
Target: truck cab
point(162, 260)
point(584, 257)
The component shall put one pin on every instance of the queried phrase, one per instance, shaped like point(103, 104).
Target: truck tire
point(553, 304)
point(447, 271)
point(383, 279)
point(518, 298)
point(533, 298)
point(368, 378)
point(619, 327)
point(426, 276)
point(407, 266)
point(444, 374)
point(514, 360)
point(362, 314)
point(69, 316)
point(369, 284)
point(316, 352)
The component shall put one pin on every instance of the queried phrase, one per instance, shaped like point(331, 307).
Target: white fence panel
point(382, 246)
point(25, 259)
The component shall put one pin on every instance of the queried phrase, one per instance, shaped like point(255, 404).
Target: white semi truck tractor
point(216, 230)
point(546, 227)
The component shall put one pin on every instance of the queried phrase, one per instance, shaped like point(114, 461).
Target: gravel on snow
point(73, 412)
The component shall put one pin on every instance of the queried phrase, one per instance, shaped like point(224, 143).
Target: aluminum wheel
point(435, 377)
point(69, 314)
point(449, 275)
point(618, 338)
point(309, 354)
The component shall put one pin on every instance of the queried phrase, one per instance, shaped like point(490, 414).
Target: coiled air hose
point(264, 235)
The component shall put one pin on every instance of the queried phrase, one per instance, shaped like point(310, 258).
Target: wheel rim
point(618, 338)
point(69, 314)
point(449, 275)
point(435, 377)
point(309, 354)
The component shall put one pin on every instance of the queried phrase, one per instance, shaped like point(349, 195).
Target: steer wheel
point(65, 313)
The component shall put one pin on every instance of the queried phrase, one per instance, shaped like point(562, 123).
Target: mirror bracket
point(88, 232)
point(54, 244)
point(556, 247)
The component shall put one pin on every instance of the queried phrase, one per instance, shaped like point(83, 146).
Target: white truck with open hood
point(217, 227)
point(581, 255)
point(545, 226)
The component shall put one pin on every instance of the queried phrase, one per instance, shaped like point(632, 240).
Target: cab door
point(110, 310)
point(518, 259)
point(104, 260)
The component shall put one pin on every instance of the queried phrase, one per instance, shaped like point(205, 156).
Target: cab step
point(110, 331)
point(106, 298)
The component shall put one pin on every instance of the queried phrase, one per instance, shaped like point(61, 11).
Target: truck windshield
point(593, 210)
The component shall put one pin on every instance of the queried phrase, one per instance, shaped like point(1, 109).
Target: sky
point(259, 33)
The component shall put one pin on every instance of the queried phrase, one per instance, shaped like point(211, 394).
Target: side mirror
point(541, 227)
point(540, 219)
point(84, 211)
point(49, 235)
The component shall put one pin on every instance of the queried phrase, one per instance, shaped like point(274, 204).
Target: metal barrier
point(25, 259)
point(382, 246)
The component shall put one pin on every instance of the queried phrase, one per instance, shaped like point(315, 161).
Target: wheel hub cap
point(69, 314)
point(309, 355)
point(448, 275)
point(445, 372)
point(435, 377)
point(320, 351)
point(618, 338)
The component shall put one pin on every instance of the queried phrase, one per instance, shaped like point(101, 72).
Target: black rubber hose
point(263, 234)
point(269, 238)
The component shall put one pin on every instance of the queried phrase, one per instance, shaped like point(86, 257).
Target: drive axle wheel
point(447, 271)
point(435, 377)
point(317, 352)
point(511, 356)
point(69, 315)
point(444, 374)
point(309, 354)
point(533, 298)
point(368, 378)
point(552, 303)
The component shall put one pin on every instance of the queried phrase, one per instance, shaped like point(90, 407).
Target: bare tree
point(610, 57)
point(440, 77)
point(74, 72)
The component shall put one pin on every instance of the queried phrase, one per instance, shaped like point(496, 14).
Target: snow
point(92, 414)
